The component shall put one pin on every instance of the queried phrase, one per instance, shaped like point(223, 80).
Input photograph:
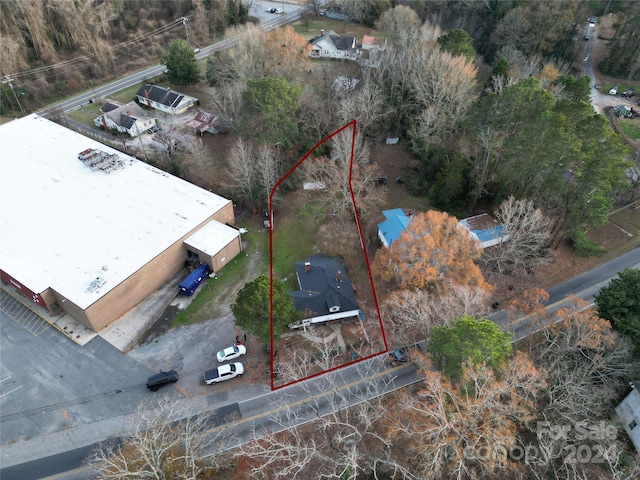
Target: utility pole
point(186, 30)
point(9, 80)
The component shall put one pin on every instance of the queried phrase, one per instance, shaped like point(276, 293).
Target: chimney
point(146, 96)
point(339, 276)
point(322, 32)
point(307, 266)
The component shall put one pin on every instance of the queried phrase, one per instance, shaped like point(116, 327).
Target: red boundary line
point(352, 124)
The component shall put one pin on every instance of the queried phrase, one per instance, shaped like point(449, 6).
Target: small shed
point(485, 229)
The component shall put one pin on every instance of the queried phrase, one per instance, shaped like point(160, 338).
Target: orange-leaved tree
point(431, 253)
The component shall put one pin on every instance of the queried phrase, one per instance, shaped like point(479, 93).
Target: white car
point(230, 353)
point(223, 372)
point(613, 91)
point(278, 10)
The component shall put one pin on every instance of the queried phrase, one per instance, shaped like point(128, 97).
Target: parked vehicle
point(230, 353)
point(188, 285)
point(628, 93)
point(154, 382)
point(613, 91)
point(223, 372)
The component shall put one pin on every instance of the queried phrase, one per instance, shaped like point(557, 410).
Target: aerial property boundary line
point(353, 126)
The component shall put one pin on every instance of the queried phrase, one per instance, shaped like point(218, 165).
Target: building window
point(633, 425)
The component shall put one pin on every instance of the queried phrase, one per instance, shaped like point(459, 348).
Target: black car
point(154, 382)
point(628, 93)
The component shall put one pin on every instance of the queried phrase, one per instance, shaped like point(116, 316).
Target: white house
point(165, 99)
point(125, 118)
point(332, 45)
point(629, 413)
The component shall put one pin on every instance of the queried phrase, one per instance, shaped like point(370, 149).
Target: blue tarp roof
point(394, 225)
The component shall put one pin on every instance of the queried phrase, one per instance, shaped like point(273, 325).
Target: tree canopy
point(182, 68)
point(269, 111)
point(431, 253)
point(468, 340)
point(252, 308)
point(458, 42)
point(619, 302)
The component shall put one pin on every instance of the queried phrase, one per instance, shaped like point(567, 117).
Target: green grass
point(126, 95)
point(327, 24)
point(86, 114)
point(293, 240)
point(631, 128)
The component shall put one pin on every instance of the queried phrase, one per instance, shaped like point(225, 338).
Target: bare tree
point(226, 101)
point(336, 433)
point(464, 431)
point(267, 170)
point(400, 24)
point(528, 238)
point(443, 87)
point(409, 315)
point(586, 361)
point(242, 168)
point(166, 441)
point(337, 180)
point(367, 104)
point(172, 139)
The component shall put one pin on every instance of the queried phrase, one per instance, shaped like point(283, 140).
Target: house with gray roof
point(325, 292)
point(332, 45)
point(165, 99)
point(125, 118)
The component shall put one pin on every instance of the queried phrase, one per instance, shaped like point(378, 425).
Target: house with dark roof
point(325, 292)
point(629, 413)
point(165, 99)
point(485, 230)
point(125, 118)
point(332, 45)
point(396, 222)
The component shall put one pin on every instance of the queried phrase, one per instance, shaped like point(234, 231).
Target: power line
point(121, 48)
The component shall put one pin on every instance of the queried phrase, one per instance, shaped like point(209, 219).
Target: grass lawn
point(631, 128)
point(293, 237)
point(86, 114)
point(326, 24)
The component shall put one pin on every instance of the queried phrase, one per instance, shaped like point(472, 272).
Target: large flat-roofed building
point(90, 231)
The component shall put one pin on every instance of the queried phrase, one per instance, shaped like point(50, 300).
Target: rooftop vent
point(96, 284)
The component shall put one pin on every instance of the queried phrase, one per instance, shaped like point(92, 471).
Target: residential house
point(629, 413)
point(396, 222)
point(332, 45)
point(370, 51)
point(207, 122)
point(125, 118)
point(165, 99)
point(485, 229)
point(325, 292)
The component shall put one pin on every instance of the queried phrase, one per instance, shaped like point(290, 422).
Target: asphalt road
point(269, 21)
point(260, 409)
point(584, 286)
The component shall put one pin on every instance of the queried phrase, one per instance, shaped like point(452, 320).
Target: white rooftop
point(63, 225)
point(212, 237)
